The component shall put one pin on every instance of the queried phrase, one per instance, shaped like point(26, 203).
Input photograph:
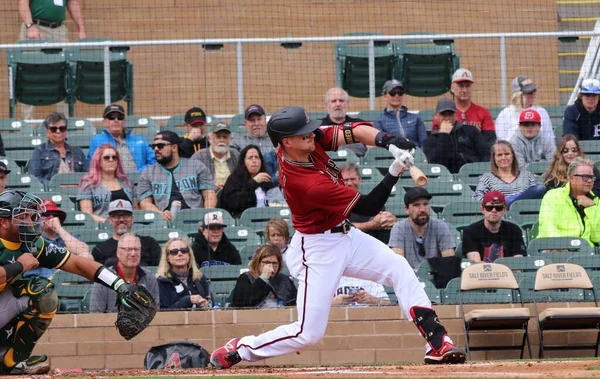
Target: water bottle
point(280, 304)
point(217, 306)
point(175, 207)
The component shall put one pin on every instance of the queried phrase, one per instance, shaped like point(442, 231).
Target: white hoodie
point(507, 123)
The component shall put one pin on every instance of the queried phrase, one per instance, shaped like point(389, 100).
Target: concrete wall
point(354, 335)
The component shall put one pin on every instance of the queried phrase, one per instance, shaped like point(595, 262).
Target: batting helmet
point(289, 122)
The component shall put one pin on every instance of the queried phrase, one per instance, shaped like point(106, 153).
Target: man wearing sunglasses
point(419, 237)
point(492, 238)
point(56, 155)
point(572, 210)
point(174, 179)
point(135, 152)
point(120, 217)
point(127, 267)
point(396, 119)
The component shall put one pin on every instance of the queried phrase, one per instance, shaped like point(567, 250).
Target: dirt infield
point(498, 369)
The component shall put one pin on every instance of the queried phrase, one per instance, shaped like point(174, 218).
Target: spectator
point(249, 185)
point(45, 20)
point(523, 97)
point(102, 299)
point(419, 237)
point(220, 158)
point(454, 144)
point(56, 156)
point(195, 139)
point(264, 286)
point(396, 120)
point(135, 152)
point(582, 119)
point(353, 291)
point(337, 102)
point(174, 178)
point(505, 175)
point(211, 246)
point(378, 226)
point(53, 233)
point(572, 210)
point(529, 144)
point(277, 233)
point(492, 238)
point(256, 123)
point(467, 112)
point(120, 217)
point(106, 182)
point(568, 149)
point(180, 281)
point(4, 171)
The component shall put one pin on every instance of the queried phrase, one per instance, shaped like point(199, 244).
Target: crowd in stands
point(212, 166)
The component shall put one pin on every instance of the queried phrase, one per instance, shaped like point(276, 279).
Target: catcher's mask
point(25, 211)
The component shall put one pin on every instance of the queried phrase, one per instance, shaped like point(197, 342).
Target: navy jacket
point(252, 292)
point(176, 295)
point(582, 124)
point(412, 124)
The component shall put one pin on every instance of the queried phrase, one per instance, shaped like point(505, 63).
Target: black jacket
point(106, 252)
point(225, 253)
point(582, 124)
point(176, 295)
point(239, 194)
point(464, 144)
point(252, 292)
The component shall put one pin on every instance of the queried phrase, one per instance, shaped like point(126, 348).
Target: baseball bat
point(418, 176)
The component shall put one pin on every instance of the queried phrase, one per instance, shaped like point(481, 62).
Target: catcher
point(28, 305)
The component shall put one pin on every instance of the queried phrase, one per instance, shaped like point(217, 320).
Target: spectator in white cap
point(396, 119)
point(211, 246)
point(523, 96)
point(529, 143)
point(219, 158)
point(467, 112)
point(4, 171)
point(582, 119)
point(120, 217)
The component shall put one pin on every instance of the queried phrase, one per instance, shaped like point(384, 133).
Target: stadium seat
point(239, 236)
point(238, 124)
point(591, 263)
point(343, 156)
point(67, 184)
point(370, 115)
point(461, 214)
point(17, 126)
point(142, 218)
point(434, 294)
point(71, 290)
point(161, 235)
point(175, 124)
point(470, 172)
point(396, 195)
point(524, 213)
point(444, 193)
point(187, 219)
point(257, 218)
point(79, 125)
point(549, 281)
point(247, 252)
point(476, 287)
point(352, 65)
point(224, 272)
point(425, 67)
point(568, 246)
point(538, 169)
point(12, 165)
point(37, 76)
point(24, 182)
point(591, 149)
point(524, 264)
point(87, 70)
point(221, 292)
point(19, 148)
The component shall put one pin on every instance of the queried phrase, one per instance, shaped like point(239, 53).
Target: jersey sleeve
point(52, 256)
point(329, 140)
point(333, 198)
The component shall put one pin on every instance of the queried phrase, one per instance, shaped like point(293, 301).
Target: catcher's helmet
point(17, 205)
point(289, 122)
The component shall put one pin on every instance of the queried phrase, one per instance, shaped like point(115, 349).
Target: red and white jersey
point(476, 115)
point(315, 190)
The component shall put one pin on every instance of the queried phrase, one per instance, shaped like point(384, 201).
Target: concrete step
point(568, 80)
point(578, 9)
point(568, 47)
point(579, 24)
point(570, 62)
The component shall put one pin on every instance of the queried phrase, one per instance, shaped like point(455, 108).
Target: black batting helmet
point(289, 122)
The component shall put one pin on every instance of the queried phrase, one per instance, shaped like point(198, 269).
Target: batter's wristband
point(12, 270)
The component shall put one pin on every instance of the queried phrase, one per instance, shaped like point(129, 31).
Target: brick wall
point(354, 335)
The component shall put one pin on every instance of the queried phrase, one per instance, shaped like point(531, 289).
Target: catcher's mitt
point(137, 308)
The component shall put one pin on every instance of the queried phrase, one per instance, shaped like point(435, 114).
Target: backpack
point(176, 355)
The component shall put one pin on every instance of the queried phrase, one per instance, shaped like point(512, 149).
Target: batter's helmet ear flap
point(289, 122)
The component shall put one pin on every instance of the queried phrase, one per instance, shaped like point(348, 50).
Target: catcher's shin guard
point(429, 325)
point(33, 322)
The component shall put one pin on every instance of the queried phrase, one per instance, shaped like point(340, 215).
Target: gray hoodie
point(539, 148)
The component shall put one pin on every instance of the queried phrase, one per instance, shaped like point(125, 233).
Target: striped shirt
point(489, 182)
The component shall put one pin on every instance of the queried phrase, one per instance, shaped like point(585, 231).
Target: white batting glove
point(397, 167)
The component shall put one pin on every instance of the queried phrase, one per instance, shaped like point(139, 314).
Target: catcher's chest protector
point(176, 355)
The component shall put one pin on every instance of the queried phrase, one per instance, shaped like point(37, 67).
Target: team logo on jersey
point(53, 249)
point(333, 171)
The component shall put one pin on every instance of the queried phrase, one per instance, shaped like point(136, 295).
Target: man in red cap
point(493, 238)
point(530, 145)
point(54, 233)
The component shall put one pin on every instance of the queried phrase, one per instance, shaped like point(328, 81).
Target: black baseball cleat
point(447, 354)
point(226, 356)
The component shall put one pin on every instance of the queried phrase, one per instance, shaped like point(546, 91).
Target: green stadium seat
point(558, 246)
point(12, 165)
point(20, 148)
point(524, 213)
point(469, 173)
point(591, 149)
point(175, 124)
point(161, 235)
point(538, 168)
point(37, 76)
point(67, 184)
point(352, 65)
point(370, 115)
point(221, 292)
point(590, 262)
point(425, 272)
point(71, 290)
point(87, 71)
point(461, 214)
point(444, 193)
point(396, 195)
point(434, 294)
point(370, 174)
point(24, 182)
point(18, 126)
point(257, 218)
point(247, 252)
point(238, 124)
point(79, 125)
point(224, 272)
point(343, 156)
point(525, 264)
point(187, 219)
point(142, 218)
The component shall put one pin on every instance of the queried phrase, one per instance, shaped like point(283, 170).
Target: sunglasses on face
point(183, 250)
point(573, 150)
point(159, 146)
point(396, 92)
point(113, 117)
point(585, 178)
point(109, 158)
point(529, 124)
point(55, 129)
point(489, 208)
point(420, 246)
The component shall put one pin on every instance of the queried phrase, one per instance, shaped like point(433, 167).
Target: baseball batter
point(326, 246)
point(29, 304)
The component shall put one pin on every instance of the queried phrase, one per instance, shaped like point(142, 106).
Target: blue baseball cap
point(591, 86)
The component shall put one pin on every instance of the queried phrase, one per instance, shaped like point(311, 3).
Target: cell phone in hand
point(353, 290)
